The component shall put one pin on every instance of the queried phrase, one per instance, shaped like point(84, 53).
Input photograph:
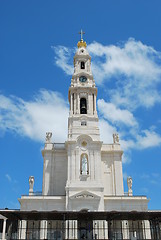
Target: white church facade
point(83, 173)
point(82, 192)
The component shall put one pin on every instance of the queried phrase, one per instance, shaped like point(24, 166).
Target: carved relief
point(84, 196)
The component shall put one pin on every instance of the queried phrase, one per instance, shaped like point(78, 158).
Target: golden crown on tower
point(81, 43)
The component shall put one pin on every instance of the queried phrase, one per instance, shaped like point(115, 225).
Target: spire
point(81, 43)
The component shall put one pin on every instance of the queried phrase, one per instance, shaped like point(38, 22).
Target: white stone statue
point(84, 165)
point(129, 184)
point(31, 185)
point(115, 138)
point(48, 137)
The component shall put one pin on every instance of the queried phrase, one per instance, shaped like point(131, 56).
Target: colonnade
point(82, 229)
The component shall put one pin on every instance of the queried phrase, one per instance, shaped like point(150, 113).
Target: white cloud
point(131, 58)
point(116, 115)
point(132, 67)
point(46, 112)
point(8, 177)
point(128, 144)
point(63, 55)
point(130, 138)
point(134, 70)
point(125, 176)
point(148, 138)
point(106, 131)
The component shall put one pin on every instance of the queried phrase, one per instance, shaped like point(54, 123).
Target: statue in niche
point(48, 137)
point(115, 138)
point(84, 165)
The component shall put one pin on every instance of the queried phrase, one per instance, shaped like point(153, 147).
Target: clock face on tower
point(82, 79)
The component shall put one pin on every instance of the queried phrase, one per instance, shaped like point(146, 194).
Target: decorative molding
point(84, 196)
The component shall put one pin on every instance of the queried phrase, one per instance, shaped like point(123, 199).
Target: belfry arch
point(83, 106)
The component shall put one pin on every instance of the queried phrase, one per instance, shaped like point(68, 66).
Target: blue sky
point(37, 44)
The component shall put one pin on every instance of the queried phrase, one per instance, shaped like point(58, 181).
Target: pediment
point(84, 195)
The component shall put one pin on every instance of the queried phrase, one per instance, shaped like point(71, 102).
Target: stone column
point(125, 229)
point(113, 179)
point(92, 165)
point(47, 172)
point(96, 165)
point(43, 230)
point(77, 164)
point(74, 107)
point(106, 229)
point(78, 99)
point(118, 175)
point(101, 229)
point(19, 229)
point(75, 229)
point(88, 105)
point(4, 229)
point(95, 231)
point(95, 104)
point(146, 231)
point(91, 103)
point(73, 161)
point(23, 229)
point(71, 229)
point(71, 103)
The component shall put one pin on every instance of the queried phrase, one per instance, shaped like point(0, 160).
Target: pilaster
point(4, 229)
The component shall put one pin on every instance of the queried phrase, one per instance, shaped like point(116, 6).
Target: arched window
point(84, 166)
point(82, 65)
point(83, 106)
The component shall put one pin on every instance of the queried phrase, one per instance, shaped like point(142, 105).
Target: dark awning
point(71, 215)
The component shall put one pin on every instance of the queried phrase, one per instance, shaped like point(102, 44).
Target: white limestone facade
point(83, 173)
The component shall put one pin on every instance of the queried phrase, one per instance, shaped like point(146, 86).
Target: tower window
point(83, 106)
point(83, 123)
point(82, 65)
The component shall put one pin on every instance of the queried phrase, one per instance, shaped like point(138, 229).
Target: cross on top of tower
point(81, 43)
point(81, 33)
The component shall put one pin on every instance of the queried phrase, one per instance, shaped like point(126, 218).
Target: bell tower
point(84, 187)
point(82, 95)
